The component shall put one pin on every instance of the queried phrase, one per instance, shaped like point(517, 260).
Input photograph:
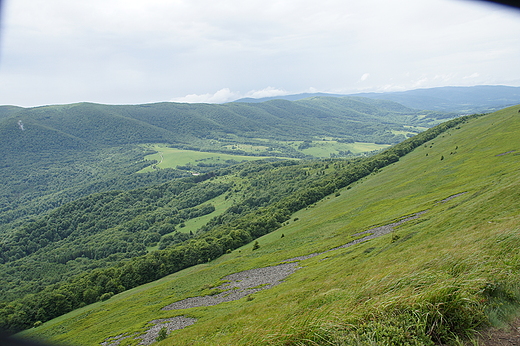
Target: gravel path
point(374, 233)
point(241, 284)
point(507, 152)
point(170, 324)
point(451, 197)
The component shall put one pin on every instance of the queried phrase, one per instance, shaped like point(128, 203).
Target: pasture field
point(220, 203)
point(168, 157)
point(329, 148)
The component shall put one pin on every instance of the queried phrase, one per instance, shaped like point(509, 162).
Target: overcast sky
point(131, 52)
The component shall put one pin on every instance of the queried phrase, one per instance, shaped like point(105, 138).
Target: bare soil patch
point(501, 337)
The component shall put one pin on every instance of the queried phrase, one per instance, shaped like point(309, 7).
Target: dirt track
point(501, 337)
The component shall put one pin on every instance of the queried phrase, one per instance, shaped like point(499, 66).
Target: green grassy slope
point(434, 279)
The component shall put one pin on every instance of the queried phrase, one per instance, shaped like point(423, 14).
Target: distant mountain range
point(462, 100)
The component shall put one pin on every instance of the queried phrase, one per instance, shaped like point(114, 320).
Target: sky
point(143, 51)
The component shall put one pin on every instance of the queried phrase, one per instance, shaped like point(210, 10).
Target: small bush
point(163, 333)
point(106, 296)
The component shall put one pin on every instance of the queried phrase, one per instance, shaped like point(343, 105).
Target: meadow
point(168, 157)
point(332, 148)
point(434, 280)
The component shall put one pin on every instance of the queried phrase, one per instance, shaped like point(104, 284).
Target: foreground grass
point(435, 279)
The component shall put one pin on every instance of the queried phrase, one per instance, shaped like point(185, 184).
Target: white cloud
point(421, 82)
point(130, 51)
point(221, 96)
point(473, 75)
point(226, 95)
point(267, 92)
point(364, 77)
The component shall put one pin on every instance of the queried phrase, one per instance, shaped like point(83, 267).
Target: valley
point(64, 152)
point(345, 242)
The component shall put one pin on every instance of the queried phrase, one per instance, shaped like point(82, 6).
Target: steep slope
point(101, 230)
point(435, 277)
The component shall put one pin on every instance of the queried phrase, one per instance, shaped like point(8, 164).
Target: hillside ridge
point(458, 99)
point(434, 279)
point(102, 229)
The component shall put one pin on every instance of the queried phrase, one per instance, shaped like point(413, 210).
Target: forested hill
point(84, 124)
point(55, 154)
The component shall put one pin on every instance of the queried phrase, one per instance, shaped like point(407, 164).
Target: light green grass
point(171, 158)
point(221, 205)
point(168, 157)
point(459, 259)
point(325, 148)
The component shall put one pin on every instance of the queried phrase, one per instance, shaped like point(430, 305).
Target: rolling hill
point(460, 100)
point(95, 124)
point(55, 154)
point(417, 248)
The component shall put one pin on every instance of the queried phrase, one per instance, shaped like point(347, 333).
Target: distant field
point(327, 147)
point(168, 157)
point(171, 157)
point(220, 203)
